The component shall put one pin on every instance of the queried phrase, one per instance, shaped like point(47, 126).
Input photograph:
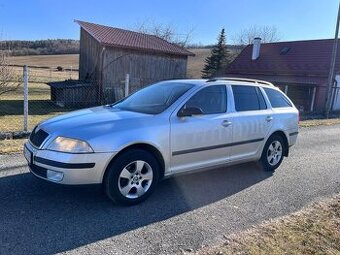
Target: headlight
point(64, 144)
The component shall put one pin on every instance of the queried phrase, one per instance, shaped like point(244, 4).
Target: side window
point(210, 100)
point(248, 98)
point(277, 99)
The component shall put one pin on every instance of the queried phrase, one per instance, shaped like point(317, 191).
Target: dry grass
point(16, 122)
point(52, 61)
point(46, 75)
point(314, 230)
point(196, 63)
point(319, 122)
point(11, 146)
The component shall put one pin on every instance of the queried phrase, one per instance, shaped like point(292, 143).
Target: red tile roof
point(304, 58)
point(120, 38)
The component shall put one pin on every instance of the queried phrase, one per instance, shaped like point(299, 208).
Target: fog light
point(54, 175)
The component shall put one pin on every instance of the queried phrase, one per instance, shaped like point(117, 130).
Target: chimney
point(256, 48)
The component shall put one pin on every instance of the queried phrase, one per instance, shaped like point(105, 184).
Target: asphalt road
point(184, 213)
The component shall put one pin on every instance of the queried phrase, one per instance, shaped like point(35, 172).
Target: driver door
point(200, 141)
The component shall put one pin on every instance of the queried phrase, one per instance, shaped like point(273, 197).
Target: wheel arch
point(142, 146)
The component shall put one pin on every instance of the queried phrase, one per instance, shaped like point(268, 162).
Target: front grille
point(37, 138)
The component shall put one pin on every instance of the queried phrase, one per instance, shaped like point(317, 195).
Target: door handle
point(269, 118)
point(226, 123)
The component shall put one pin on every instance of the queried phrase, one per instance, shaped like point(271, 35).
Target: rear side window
point(276, 98)
point(248, 98)
point(210, 100)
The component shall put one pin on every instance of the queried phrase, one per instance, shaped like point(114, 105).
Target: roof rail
point(240, 79)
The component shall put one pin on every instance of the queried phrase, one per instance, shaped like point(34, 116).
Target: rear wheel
point(273, 153)
point(132, 177)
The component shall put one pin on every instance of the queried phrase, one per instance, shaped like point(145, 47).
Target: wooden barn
point(108, 54)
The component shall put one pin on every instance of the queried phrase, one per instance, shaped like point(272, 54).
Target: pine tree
point(219, 58)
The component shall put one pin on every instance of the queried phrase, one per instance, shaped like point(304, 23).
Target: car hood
point(89, 122)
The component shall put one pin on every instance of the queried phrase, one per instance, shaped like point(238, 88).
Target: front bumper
point(67, 168)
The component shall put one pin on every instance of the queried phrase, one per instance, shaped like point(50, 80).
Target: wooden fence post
point(25, 70)
point(127, 84)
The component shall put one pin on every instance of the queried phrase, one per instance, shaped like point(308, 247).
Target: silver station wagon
point(164, 129)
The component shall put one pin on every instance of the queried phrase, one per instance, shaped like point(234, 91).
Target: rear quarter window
point(276, 98)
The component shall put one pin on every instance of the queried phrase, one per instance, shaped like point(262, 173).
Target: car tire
point(273, 153)
point(131, 177)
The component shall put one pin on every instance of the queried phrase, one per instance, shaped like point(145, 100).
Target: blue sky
point(294, 19)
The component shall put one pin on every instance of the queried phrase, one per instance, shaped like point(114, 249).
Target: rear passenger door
point(251, 121)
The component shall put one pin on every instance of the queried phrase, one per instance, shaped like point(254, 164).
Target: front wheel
point(132, 177)
point(272, 154)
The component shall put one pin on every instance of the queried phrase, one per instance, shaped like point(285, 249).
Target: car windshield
point(155, 98)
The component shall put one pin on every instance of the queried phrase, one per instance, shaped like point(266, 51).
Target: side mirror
point(189, 111)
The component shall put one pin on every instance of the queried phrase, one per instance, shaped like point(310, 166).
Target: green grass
point(40, 107)
point(314, 230)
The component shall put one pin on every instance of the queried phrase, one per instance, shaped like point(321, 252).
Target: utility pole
point(332, 67)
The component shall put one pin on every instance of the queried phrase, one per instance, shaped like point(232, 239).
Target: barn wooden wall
point(108, 68)
point(90, 57)
point(144, 68)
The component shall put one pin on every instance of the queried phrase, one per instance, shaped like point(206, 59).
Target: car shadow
point(40, 217)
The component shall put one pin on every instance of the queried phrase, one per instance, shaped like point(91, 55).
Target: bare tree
point(165, 31)
point(8, 79)
point(266, 33)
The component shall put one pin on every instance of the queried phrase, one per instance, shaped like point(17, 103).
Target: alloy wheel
point(135, 179)
point(274, 153)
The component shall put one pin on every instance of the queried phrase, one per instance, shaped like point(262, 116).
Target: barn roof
point(297, 58)
point(121, 38)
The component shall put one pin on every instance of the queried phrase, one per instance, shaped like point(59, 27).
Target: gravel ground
point(184, 214)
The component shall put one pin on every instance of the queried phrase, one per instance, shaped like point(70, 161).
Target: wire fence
point(40, 105)
point(52, 92)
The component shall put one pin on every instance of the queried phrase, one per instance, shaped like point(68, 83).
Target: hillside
point(40, 47)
